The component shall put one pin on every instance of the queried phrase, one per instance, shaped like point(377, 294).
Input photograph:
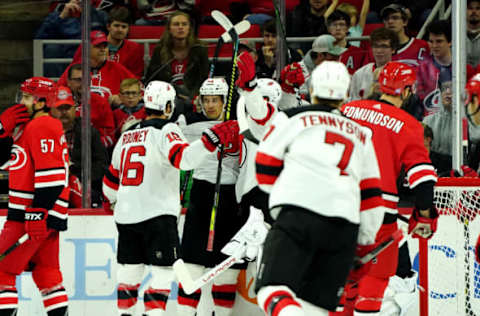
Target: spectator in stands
point(473, 32)
point(383, 43)
point(266, 62)
point(101, 114)
point(417, 10)
point(257, 11)
point(132, 104)
point(157, 12)
point(205, 7)
point(308, 19)
point(337, 24)
point(357, 22)
point(106, 75)
point(179, 58)
point(121, 50)
point(65, 23)
point(411, 50)
point(64, 110)
point(437, 67)
point(323, 48)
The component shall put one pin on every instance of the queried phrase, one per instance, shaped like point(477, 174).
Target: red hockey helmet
point(40, 87)
point(472, 88)
point(395, 77)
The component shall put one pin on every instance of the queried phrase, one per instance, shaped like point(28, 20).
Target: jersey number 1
point(135, 166)
point(333, 138)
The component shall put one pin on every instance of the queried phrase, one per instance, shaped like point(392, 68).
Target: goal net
point(449, 274)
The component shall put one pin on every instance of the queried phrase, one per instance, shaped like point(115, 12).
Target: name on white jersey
point(374, 117)
point(134, 136)
point(339, 123)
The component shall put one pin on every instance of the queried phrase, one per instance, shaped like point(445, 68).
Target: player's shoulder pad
point(313, 107)
point(155, 123)
point(43, 125)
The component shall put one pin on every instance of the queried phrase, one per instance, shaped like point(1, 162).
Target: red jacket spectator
point(106, 79)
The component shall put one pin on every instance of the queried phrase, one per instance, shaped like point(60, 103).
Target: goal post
point(449, 277)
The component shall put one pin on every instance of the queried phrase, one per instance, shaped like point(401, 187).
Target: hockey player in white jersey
point(322, 174)
point(229, 219)
point(255, 111)
point(143, 185)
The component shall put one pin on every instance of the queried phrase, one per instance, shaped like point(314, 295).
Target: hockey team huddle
point(309, 193)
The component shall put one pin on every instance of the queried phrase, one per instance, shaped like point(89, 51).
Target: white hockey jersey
point(258, 114)
point(361, 83)
point(192, 125)
point(315, 158)
point(143, 179)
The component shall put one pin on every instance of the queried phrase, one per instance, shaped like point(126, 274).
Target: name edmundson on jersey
point(374, 117)
point(134, 136)
point(337, 122)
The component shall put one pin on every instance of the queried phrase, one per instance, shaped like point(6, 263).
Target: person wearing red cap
point(106, 75)
point(38, 199)
point(398, 142)
point(65, 110)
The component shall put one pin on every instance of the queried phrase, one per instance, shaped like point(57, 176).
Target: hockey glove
point(466, 171)
point(359, 270)
point(423, 227)
point(36, 223)
point(291, 77)
point(477, 249)
point(247, 79)
point(11, 117)
point(225, 133)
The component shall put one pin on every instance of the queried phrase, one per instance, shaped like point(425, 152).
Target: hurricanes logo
point(18, 158)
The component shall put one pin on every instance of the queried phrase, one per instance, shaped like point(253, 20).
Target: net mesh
point(453, 273)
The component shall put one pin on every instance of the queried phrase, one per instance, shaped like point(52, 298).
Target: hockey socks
point(127, 298)
point(279, 301)
point(187, 304)
point(155, 301)
point(8, 301)
point(223, 298)
point(55, 301)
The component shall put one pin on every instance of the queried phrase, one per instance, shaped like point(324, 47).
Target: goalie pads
point(250, 237)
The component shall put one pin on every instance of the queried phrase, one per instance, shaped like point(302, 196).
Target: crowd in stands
point(119, 71)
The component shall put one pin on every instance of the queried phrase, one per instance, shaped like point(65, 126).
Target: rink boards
point(89, 267)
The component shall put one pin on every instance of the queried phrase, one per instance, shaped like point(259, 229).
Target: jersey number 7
point(334, 138)
point(129, 167)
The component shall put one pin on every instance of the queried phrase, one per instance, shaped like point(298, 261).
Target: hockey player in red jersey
point(38, 199)
point(398, 141)
point(327, 197)
point(143, 182)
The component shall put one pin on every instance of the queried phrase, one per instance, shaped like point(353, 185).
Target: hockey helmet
point(214, 86)
point(395, 77)
point(270, 89)
point(330, 80)
point(40, 88)
point(472, 88)
point(158, 94)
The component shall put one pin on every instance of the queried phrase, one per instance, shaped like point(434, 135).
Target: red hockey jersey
point(398, 141)
point(105, 80)
point(130, 55)
point(38, 172)
point(354, 58)
point(412, 53)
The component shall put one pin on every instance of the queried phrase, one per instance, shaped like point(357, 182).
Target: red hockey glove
point(12, 117)
point(36, 223)
point(225, 133)
point(291, 77)
point(247, 79)
point(423, 227)
point(358, 272)
point(466, 170)
point(477, 249)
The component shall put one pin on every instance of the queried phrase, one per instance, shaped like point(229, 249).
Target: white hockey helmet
point(214, 86)
point(157, 95)
point(330, 80)
point(270, 89)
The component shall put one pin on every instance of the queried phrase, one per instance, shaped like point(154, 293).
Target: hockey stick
point(19, 242)
point(224, 22)
point(189, 285)
point(395, 237)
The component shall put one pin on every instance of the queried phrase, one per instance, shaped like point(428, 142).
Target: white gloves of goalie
point(247, 241)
